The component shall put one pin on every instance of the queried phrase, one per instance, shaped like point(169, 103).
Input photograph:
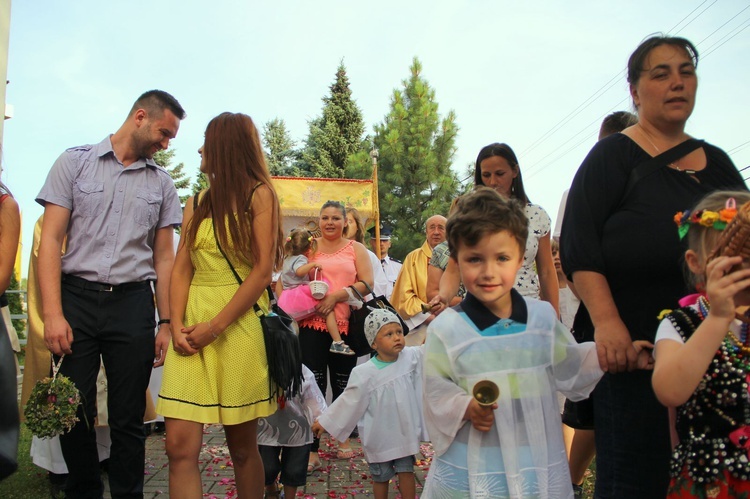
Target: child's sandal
point(341, 348)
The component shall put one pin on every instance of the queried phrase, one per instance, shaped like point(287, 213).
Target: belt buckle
point(107, 288)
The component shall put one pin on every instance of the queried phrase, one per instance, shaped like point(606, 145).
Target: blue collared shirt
point(115, 212)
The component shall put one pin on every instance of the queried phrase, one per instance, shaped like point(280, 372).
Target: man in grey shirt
point(117, 209)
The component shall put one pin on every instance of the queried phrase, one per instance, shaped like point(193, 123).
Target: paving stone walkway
point(338, 479)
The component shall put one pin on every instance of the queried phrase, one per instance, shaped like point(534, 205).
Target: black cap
point(385, 233)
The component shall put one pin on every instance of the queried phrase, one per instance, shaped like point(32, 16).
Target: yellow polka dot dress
point(226, 381)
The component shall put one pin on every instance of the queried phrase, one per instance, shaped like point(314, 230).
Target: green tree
point(181, 180)
point(279, 148)
point(15, 306)
point(336, 134)
point(416, 149)
point(201, 183)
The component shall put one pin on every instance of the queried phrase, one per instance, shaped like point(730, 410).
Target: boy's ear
point(694, 262)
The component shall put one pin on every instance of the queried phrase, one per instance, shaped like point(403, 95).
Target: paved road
point(339, 478)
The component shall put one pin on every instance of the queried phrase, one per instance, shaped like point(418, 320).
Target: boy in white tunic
point(513, 449)
point(384, 400)
point(284, 438)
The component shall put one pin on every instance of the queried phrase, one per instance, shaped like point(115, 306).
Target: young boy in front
point(384, 400)
point(513, 448)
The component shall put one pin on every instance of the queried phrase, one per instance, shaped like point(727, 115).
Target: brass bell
point(486, 392)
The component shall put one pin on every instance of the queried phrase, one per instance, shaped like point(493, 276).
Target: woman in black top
point(620, 246)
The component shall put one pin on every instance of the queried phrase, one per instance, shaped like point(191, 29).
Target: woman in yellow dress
point(216, 370)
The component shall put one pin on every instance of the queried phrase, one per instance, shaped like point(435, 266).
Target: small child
point(569, 302)
point(296, 298)
point(703, 353)
point(384, 400)
point(284, 438)
point(513, 448)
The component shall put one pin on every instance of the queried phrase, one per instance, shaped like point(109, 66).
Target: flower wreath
point(52, 405)
point(707, 218)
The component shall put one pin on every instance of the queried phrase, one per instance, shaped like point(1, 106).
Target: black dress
point(633, 242)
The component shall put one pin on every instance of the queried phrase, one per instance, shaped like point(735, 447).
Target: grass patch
point(30, 480)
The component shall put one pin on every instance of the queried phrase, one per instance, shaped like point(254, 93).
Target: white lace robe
point(290, 426)
point(523, 455)
point(385, 404)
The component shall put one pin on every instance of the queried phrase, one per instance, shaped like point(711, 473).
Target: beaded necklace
point(743, 342)
point(735, 352)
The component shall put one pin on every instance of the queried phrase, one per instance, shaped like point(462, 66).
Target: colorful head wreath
point(707, 218)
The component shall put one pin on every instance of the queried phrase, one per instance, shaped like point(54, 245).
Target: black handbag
point(282, 349)
point(283, 352)
point(356, 338)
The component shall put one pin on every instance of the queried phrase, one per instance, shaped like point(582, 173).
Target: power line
point(586, 129)
point(598, 93)
point(690, 14)
point(575, 112)
point(739, 148)
point(711, 49)
point(717, 29)
point(696, 17)
point(604, 88)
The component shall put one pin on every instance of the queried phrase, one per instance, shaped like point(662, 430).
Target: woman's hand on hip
point(614, 347)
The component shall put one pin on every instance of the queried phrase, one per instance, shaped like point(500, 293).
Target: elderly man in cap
point(410, 290)
point(391, 266)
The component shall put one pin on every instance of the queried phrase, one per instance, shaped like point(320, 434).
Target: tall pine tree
point(201, 183)
point(336, 134)
point(416, 149)
point(279, 149)
point(181, 180)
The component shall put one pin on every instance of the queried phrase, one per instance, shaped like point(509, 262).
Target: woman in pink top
point(344, 263)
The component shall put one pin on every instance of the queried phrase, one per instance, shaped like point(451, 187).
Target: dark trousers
point(317, 358)
point(632, 438)
point(291, 462)
point(9, 428)
point(119, 327)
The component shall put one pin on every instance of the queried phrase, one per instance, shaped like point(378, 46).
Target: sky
point(538, 75)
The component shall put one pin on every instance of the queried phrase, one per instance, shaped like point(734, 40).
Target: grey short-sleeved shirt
point(115, 212)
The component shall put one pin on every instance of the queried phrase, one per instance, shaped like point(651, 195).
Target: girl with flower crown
point(702, 353)
point(296, 298)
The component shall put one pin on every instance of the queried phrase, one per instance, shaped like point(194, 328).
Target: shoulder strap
point(653, 165)
point(236, 275)
point(252, 193)
point(196, 198)
point(368, 288)
point(269, 290)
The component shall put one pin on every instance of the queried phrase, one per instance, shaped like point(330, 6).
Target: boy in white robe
point(284, 438)
point(384, 400)
point(513, 448)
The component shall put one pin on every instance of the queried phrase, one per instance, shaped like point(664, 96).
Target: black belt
point(98, 286)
